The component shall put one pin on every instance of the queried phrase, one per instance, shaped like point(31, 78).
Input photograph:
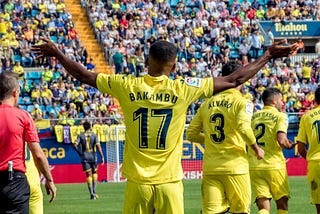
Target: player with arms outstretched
point(154, 108)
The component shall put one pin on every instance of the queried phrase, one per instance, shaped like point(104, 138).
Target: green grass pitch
point(74, 198)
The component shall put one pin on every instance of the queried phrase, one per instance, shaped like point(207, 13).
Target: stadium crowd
point(207, 33)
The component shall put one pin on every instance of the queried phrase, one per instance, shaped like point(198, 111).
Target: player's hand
point(292, 145)
point(277, 50)
point(48, 48)
point(259, 153)
point(50, 187)
point(102, 160)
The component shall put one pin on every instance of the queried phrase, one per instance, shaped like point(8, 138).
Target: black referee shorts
point(14, 194)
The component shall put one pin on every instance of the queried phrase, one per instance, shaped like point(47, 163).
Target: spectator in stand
point(256, 44)
point(47, 74)
point(18, 69)
point(117, 61)
point(46, 95)
point(301, 45)
point(90, 66)
point(36, 112)
point(56, 94)
point(244, 49)
point(35, 95)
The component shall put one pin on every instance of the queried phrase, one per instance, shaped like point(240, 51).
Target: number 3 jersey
point(154, 111)
point(226, 121)
point(266, 124)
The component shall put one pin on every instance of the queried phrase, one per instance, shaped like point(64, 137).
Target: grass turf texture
point(74, 198)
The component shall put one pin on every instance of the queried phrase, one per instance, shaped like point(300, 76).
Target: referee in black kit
point(16, 128)
point(89, 143)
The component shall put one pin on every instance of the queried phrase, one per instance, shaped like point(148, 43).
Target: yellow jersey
point(154, 113)
point(32, 172)
point(309, 132)
point(266, 124)
point(226, 122)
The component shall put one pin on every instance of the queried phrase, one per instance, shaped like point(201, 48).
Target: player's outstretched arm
point(245, 73)
point(42, 165)
point(77, 70)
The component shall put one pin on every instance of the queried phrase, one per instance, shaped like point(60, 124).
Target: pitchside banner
point(66, 164)
point(289, 29)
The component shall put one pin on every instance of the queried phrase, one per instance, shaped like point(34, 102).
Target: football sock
point(95, 181)
point(89, 182)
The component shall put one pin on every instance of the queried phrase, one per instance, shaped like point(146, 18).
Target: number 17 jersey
point(154, 111)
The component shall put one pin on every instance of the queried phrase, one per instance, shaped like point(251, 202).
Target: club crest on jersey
point(195, 82)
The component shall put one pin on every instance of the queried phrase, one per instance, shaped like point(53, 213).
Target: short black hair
point(163, 51)
point(230, 67)
point(317, 95)
point(268, 94)
point(8, 83)
point(86, 125)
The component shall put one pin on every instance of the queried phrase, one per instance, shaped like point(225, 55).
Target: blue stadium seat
point(173, 3)
point(20, 101)
point(30, 108)
point(198, 55)
point(23, 107)
point(17, 58)
point(33, 75)
point(53, 38)
point(234, 54)
point(34, 12)
point(42, 108)
point(49, 108)
point(27, 100)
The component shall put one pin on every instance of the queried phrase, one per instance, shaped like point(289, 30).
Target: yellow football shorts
point(314, 181)
point(270, 183)
point(221, 192)
point(164, 198)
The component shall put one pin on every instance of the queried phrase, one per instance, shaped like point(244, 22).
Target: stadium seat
point(34, 12)
point(49, 108)
point(33, 75)
point(30, 108)
point(27, 100)
point(42, 108)
point(234, 54)
point(17, 58)
point(20, 101)
point(173, 3)
point(23, 107)
point(53, 38)
point(198, 55)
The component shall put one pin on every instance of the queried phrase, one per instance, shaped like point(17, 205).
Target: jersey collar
point(3, 105)
point(151, 80)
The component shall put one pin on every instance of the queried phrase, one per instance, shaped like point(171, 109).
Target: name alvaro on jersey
point(220, 103)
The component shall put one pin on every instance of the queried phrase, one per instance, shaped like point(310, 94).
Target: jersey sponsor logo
point(249, 108)
point(195, 82)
